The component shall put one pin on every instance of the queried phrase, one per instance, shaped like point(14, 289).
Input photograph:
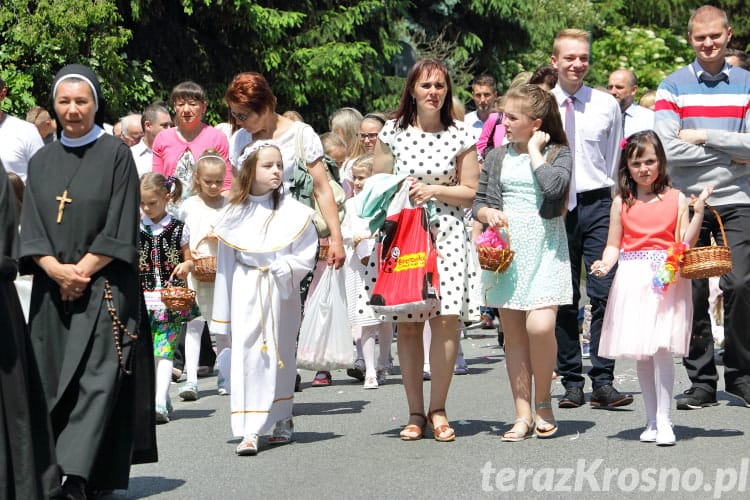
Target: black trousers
point(699, 362)
point(587, 226)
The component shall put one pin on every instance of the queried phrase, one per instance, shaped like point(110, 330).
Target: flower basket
point(177, 298)
point(205, 267)
point(495, 259)
point(709, 261)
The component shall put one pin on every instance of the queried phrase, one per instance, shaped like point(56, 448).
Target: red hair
point(250, 90)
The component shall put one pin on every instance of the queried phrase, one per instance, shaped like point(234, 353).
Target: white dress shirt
point(597, 139)
point(143, 157)
point(636, 119)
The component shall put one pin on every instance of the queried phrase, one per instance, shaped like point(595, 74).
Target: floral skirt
point(166, 326)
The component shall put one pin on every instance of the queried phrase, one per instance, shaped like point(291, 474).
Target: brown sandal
point(440, 430)
point(413, 432)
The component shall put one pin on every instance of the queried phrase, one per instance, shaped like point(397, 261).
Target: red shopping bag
point(407, 279)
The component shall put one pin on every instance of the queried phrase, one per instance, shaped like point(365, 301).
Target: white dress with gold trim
point(263, 256)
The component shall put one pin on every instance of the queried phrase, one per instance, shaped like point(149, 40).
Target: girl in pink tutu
point(649, 311)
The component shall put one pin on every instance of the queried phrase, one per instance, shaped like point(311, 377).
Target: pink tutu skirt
point(640, 319)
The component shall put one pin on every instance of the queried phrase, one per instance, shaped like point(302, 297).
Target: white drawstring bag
point(325, 339)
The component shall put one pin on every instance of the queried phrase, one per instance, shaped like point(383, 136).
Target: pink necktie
point(570, 131)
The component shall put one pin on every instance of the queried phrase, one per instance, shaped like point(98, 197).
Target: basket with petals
point(177, 298)
point(494, 251)
point(708, 261)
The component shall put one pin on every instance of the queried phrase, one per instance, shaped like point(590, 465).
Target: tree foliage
point(317, 56)
point(320, 55)
point(39, 37)
point(650, 54)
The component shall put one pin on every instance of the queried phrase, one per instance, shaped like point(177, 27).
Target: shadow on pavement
point(330, 408)
point(181, 413)
point(146, 486)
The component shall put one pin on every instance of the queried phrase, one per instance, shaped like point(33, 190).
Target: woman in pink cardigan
point(177, 149)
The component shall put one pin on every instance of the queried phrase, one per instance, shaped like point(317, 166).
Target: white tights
point(163, 379)
point(384, 332)
point(656, 376)
point(193, 348)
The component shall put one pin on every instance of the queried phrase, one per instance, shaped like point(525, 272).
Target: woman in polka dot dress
point(439, 156)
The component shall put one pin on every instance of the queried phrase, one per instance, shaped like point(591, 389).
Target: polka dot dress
point(431, 158)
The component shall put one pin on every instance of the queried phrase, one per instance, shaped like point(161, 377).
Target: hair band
point(374, 117)
point(80, 77)
point(212, 156)
point(255, 146)
point(170, 183)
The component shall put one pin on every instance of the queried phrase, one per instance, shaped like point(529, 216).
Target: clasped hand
point(72, 282)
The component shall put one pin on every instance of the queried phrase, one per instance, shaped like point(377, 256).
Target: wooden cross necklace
point(63, 198)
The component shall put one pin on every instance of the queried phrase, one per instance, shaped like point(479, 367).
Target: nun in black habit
point(79, 238)
point(27, 455)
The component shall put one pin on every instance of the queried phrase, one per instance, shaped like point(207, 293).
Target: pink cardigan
point(168, 148)
point(489, 126)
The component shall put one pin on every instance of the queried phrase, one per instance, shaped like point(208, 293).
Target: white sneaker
point(371, 383)
point(649, 434)
point(665, 436)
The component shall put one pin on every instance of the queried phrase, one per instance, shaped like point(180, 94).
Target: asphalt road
point(347, 446)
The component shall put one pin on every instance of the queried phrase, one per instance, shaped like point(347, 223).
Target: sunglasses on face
point(371, 136)
point(240, 117)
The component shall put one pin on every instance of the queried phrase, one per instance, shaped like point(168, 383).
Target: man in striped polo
point(702, 117)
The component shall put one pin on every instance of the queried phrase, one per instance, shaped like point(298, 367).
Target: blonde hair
point(364, 161)
point(345, 123)
point(575, 34)
point(648, 99)
point(209, 158)
point(332, 141)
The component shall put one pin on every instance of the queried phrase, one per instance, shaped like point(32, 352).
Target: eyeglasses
point(240, 117)
point(371, 136)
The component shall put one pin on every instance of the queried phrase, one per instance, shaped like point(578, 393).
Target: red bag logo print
point(407, 279)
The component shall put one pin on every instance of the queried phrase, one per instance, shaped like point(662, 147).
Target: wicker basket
point(323, 250)
point(205, 266)
point(495, 259)
point(177, 298)
point(706, 262)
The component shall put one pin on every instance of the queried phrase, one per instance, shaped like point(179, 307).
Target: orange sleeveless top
point(650, 226)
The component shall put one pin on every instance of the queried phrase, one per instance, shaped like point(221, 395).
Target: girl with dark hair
point(650, 309)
